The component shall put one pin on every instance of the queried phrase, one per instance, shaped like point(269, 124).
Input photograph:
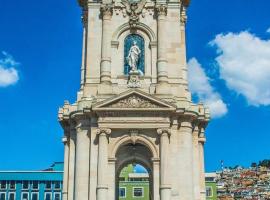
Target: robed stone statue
point(133, 56)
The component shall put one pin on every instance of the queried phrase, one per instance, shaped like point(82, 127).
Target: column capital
point(183, 16)
point(84, 16)
point(161, 9)
point(103, 131)
point(106, 10)
point(65, 140)
point(162, 131)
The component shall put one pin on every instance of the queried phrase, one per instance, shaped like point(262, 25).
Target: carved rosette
point(161, 10)
point(106, 10)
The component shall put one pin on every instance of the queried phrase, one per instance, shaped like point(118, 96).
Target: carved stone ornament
point(105, 131)
point(106, 10)
point(133, 10)
point(134, 136)
point(183, 19)
point(162, 131)
point(134, 79)
point(133, 101)
point(161, 10)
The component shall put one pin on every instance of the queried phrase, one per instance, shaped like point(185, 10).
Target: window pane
point(2, 196)
point(25, 184)
point(208, 191)
point(3, 184)
point(34, 196)
point(12, 184)
point(137, 192)
point(11, 196)
point(47, 196)
point(57, 185)
point(35, 185)
point(25, 196)
point(122, 192)
point(48, 185)
point(57, 196)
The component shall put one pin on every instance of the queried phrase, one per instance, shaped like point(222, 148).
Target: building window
point(12, 185)
point(57, 185)
point(34, 196)
point(3, 184)
point(48, 196)
point(35, 185)
point(209, 191)
point(57, 196)
point(11, 196)
point(2, 196)
point(137, 192)
point(25, 196)
point(48, 185)
point(122, 192)
point(25, 185)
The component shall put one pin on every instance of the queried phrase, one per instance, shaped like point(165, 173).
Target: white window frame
point(211, 188)
point(55, 184)
point(34, 193)
point(46, 185)
point(33, 184)
point(138, 188)
point(46, 194)
point(4, 194)
point(125, 192)
point(1, 185)
point(12, 193)
point(10, 185)
point(27, 187)
point(23, 194)
point(57, 193)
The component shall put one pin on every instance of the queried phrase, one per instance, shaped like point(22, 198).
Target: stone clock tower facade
point(134, 105)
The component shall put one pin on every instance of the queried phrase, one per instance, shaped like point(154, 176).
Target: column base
point(165, 192)
point(102, 192)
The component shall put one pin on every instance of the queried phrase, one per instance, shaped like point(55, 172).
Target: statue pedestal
point(134, 79)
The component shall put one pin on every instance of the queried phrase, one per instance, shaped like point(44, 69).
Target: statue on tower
point(133, 56)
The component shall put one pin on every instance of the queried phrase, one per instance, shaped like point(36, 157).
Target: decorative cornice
point(161, 9)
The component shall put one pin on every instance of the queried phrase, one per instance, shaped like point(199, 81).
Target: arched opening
point(134, 173)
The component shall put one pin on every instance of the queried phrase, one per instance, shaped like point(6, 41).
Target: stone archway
point(134, 153)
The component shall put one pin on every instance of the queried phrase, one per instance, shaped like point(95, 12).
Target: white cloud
point(199, 85)
point(8, 73)
point(268, 30)
point(244, 64)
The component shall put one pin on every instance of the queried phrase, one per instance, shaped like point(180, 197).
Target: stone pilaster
point(71, 170)
point(165, 187)
point(82, 159)
point(183, 21)
point(186, 166)
point(102, 185)
point(156, 178)
point(84, 45)
point(106, 11)
point(196, 164)
point(65, 141)
point(162, 72)
point(201, 159)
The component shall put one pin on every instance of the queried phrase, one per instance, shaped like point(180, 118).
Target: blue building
point(32, 185)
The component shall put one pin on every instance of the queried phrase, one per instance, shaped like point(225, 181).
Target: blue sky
point(228, 48)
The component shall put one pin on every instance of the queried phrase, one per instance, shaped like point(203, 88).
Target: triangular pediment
point(134, 100)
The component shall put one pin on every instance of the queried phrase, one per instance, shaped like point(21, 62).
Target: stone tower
point(134, 104)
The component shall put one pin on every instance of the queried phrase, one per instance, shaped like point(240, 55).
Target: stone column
point(165, 187)
point(71, 173)
point(105, 65)
point(183, 21)
point(162, 72)
point(196, 164)
point(156, 178)
point(201, 159)
point(84, 45)
point(65, 140)
point(186, 166)
point(111, 177)
point(102, 185)
point(82, 159)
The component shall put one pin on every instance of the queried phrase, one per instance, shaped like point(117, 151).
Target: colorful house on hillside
point(133, 185)
point(211, 186)
point(32, 185)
